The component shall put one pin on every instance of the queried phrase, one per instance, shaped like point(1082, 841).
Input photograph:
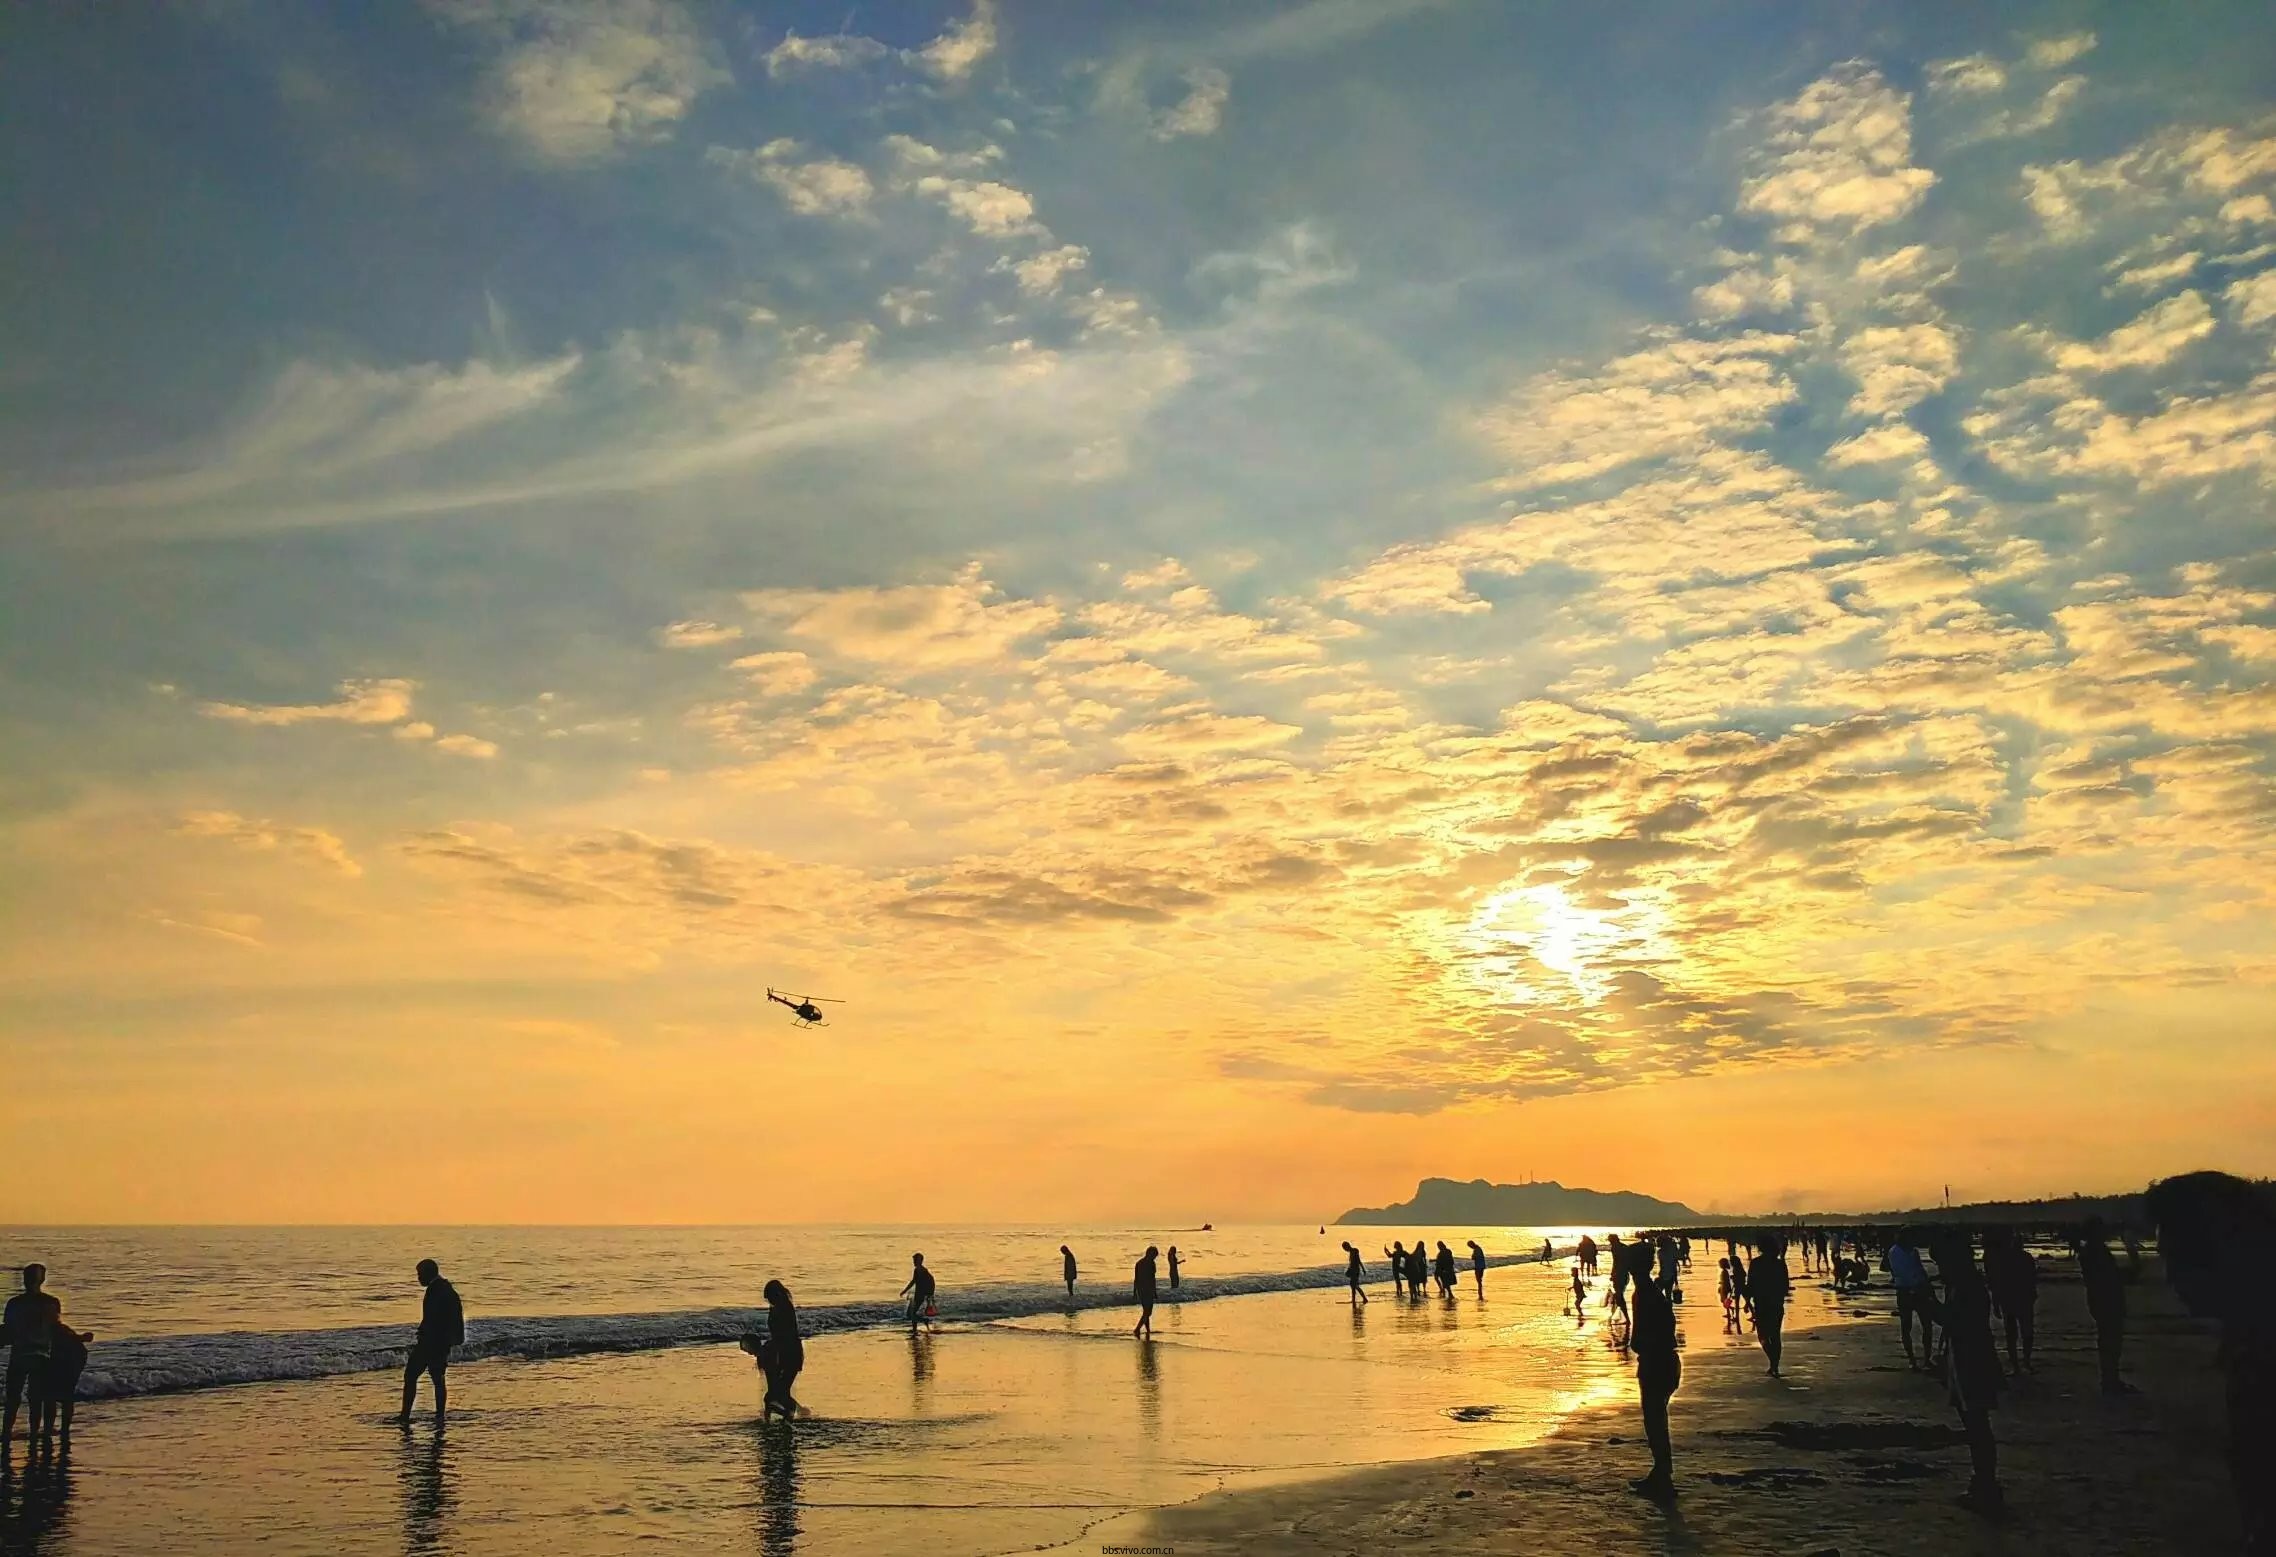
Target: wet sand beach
point(1849, 1453)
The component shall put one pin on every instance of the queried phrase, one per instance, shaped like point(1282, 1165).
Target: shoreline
point(1849, 1453)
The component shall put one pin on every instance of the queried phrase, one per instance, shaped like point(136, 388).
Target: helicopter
point(806, 1009)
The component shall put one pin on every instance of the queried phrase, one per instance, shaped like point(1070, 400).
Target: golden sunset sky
point(1279, 598)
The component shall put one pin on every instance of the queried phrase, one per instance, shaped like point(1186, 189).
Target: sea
point(241, 1389)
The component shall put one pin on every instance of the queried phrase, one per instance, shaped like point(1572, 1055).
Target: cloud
point(2252, 299)
point(696, 635)
point(834, 51)
point(580, 80)
point(1041, 274)
point(958, 51)
point(915, 627)
point(777, 673)
point(1669, 399)
point(1838, 159)
point(310, 843)
point(2152, 338)
point(990, 209)
point(1878, 445)
point(2056, 52)
point(467, 746)
point(379, 701)
point(1200, 111)
point(815, 186)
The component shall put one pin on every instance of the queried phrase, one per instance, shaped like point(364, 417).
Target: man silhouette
point(1067, 1268)
point(30, 1321)
point(1142, 1288)
point(442, 1325)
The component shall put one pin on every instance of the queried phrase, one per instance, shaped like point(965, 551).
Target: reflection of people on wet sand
point(778, 1494)
point(1478, 1266)
point(1354, 1273)
point(2217, 1236)
point(428, 1495)
point(1142, 1288)
point(1658, 1371)
point(920, 1289)
point(1971, 1363)
point(2105, 1300)
point(782, 1355)
point(1067, 1267)
point(442, 1325)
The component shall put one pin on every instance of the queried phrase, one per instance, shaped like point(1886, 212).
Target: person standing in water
point(1902, 1262)
point(1354, 1275)
point(1067, 1268)
point(920, 1289)
point(1142, 1288)
point(1397, 1255)
point(1769, 1282)
point(30, 1319)
point(1173, 1267)
point(2105, 1300)
point(1442, 1269)
point(1621, 1274)
point(1659, 1369)
point(1478, 1267)
point(1580, 1291)
point(1418, 1270)
point(442, 1325)
point(1547, 1253)
point(783, 1355)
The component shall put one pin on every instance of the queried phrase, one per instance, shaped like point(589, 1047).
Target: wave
point(167, 1364)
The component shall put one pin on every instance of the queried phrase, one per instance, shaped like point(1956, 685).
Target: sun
point(1535, 945)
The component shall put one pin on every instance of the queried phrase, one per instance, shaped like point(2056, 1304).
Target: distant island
point(1447, 1203)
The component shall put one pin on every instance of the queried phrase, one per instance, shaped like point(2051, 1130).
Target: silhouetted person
point(1671, 1269)
point(1547, 1253)
point(1588, 1254)
point(1580, 1289)
point(2013, 1277)
point(1658, 1371)
point(1173, 1267)
point(920, 1289)
point(1623, 1270)
point(1442, 1268)
point(2217, 1236)
point(1142, 1288)
point(1397, 1255)
point(1914, 1300)
point(1769, 1283)
point(2105, 1300)
point(31, 1319)
point(783, 1356)
point(1354, 1274)
point(58, 1396)
point(442, 1325)
point(1683, 1250)
point(1728, 1295)
point(1418, 1270)
point(1971, 1363)
point(1478, 1266)
point(1067, 1267)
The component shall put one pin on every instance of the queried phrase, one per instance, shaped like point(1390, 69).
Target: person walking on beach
point(1418, 1270)
point(1971, 1363)
point(1442, 1269)
point(1478, 1268)
point(2105, 1300)
point(920, 1289)
point(442, 1325)
point(1067, 1268)
point(1588, 1254)
point(1902, 1262)
point(1728, 1295)
point(30, 1319)
point(1618, 1296)
point(1580, 1291)
point(1547, 1253)
point(1173, 1267)
point(1142, 1288)
point(1354, 1275)
point(1397, 1255)
point(1659, 1369)
point(2217, 1236)
point(2012, 1274)
point(1769, 1282)
point(783, 1355)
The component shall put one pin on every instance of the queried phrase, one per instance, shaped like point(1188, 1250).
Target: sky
point(1279, 598)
